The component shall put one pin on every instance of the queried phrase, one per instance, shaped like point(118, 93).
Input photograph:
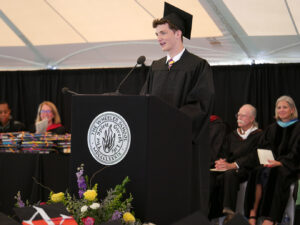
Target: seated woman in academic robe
point(268, 187)
point(48, 111)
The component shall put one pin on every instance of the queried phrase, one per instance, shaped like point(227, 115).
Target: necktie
point(170, 63)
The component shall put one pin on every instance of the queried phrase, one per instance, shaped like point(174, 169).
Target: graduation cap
point(179, 18)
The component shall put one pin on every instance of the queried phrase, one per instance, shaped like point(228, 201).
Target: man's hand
point(221, 164)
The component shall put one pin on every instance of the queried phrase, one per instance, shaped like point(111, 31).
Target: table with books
point(27, 159)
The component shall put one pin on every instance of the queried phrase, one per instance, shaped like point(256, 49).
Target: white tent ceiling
point(49, 34)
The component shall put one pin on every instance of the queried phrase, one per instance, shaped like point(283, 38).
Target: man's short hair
point(161, 21)
point(253, 113)
point(2, 102)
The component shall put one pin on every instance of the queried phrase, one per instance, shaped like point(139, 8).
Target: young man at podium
point(184, 81)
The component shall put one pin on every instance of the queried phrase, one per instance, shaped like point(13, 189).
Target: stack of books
point(10, 142)
point(25, 142)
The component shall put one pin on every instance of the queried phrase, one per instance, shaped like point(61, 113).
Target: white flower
point(95, 205)
point(84, 208)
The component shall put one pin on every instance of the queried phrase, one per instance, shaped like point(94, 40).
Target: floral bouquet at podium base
point(86, 209)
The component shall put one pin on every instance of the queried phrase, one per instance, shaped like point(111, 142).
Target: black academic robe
point(285, 145)
point(189, 87)
point(225, 185)
point(12, 126)
point(241, 151)
point(218, 131)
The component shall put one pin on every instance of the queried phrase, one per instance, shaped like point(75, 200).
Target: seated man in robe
point(236, 159)
point(7, 123)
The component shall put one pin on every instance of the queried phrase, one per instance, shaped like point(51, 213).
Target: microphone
point(66, 90)
point(140, 61)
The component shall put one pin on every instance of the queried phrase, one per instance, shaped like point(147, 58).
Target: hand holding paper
point(41, 126)
point(267, 159)
point(264, 156)
point(273, 163)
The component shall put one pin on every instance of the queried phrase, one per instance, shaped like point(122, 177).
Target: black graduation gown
point(285, 145)
point(242, 151)
point(218, 131)
point(12, 126)
point(225, 185)
point(189, 87)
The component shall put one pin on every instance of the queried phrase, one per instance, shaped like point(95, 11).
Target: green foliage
point(87, 181)
point(116, 201)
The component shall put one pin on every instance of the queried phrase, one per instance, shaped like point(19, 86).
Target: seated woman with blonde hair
point(268, 187)
point(48, 111)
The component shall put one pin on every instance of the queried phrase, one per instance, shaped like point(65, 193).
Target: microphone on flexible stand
point(140, 61)
point(66, 90)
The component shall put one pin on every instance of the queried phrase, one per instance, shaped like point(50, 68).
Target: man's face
point(4, 113)
point(244, 117)
point(166, 37)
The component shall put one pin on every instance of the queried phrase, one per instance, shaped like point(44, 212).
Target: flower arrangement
point(87, 209)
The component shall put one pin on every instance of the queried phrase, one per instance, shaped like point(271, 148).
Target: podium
point(158, 161)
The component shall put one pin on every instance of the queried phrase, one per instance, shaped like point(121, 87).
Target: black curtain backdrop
point(259, 85)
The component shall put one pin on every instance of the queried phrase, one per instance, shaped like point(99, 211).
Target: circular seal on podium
point(109, 138)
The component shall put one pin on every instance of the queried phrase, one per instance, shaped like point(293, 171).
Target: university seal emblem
point(109, 138)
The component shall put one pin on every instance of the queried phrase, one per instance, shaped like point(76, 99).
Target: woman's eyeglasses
point(46, 111)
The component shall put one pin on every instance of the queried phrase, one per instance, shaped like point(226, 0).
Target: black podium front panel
point(158, 161)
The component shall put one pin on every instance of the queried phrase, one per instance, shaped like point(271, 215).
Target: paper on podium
point(41, 127)
point(264, 155)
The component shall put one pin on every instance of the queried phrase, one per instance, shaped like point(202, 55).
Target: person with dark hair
point(7, 123)
point(235, 161)
point(268, 187)
point(184, 80)
point(48, 111)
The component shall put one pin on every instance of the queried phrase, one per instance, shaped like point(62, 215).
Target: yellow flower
point(58, 197)
point(90, 195)
point(128, 217)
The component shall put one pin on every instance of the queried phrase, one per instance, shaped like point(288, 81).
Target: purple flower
point(80, 192)
point(20, 203)
point(116, 215)
point(79, 173)
point(81, 182)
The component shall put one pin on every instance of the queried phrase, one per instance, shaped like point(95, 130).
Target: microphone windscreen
point(141, 60)
point(64, 90)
